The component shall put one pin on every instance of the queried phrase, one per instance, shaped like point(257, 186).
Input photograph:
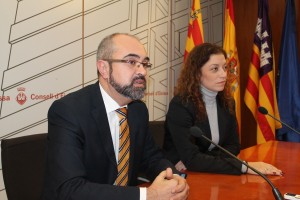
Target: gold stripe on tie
point(124, 148)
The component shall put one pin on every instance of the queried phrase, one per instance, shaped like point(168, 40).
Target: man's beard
point(129, 91)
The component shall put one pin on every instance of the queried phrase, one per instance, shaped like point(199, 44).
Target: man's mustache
point(142, 77)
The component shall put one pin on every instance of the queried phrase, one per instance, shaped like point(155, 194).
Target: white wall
point(47, 50)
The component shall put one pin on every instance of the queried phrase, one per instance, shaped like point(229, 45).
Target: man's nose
point(141, 69)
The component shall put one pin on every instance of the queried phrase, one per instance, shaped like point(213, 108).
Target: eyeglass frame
point(145, 64)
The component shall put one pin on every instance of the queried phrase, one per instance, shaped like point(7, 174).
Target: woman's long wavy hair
point(188, 83)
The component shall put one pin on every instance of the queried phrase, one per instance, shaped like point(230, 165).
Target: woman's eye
point(214, 69)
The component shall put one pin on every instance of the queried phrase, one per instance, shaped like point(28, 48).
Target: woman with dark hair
point(203, 99)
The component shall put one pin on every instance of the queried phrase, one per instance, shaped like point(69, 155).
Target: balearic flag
point(233, 60)
point(260, 90)
point(289, 79)
point(195, 28)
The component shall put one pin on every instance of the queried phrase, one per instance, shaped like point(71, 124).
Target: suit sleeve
point(153, 160)
point(66, 172)
point(180, 118)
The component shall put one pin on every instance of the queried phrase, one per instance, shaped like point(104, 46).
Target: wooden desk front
point(284, 155)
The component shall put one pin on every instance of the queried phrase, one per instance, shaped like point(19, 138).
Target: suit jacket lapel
point(100, 116)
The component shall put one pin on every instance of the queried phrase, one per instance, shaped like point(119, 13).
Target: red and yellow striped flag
point(260, 90)
point(233, 60)
point(195, 29)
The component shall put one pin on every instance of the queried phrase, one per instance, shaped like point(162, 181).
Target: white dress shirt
point(111, 106)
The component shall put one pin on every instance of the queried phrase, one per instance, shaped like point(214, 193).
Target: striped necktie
point(124, 148)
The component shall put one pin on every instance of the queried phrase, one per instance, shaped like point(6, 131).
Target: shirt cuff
point(143, 193)
point(244, 168)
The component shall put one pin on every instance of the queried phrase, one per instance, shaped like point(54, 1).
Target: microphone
point(264, 111)
point(197, 132)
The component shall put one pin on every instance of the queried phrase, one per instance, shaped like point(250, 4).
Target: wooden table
point(284, 155)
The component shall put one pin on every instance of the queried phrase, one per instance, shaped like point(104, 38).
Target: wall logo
point(21, 98)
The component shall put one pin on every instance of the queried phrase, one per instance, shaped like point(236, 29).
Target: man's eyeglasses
point(131, 62)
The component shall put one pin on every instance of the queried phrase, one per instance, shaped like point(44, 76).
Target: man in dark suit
point(83, 139)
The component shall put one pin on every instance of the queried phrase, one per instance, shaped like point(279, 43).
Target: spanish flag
point(233, 60)
point(260, 90)
point(195, 29)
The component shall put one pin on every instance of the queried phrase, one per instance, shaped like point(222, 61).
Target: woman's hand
point(264, 168)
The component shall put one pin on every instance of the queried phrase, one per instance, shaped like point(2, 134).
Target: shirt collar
point(109, 103)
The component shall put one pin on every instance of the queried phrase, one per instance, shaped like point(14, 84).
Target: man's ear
point(103, 68)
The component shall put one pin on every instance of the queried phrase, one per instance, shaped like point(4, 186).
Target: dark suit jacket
point(81, 163)
point(193, 152)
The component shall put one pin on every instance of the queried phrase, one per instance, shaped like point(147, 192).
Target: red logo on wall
point(21, 98)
